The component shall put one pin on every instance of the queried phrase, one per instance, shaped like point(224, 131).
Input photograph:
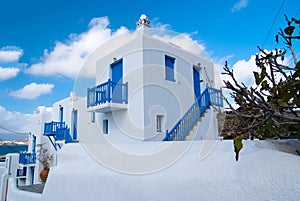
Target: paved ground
point(37, 188)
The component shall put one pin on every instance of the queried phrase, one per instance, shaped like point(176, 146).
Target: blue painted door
point(197, 89)
point(117, 81)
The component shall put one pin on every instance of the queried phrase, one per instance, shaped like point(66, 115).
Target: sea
point(5, 149)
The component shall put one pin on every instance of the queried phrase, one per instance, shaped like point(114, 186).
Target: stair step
point(196, 124)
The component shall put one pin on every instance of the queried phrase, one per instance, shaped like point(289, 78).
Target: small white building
point(146, 89)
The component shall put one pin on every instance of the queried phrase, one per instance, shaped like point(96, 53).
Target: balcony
point(27, 158)
point(59, 130)
point(107, 97)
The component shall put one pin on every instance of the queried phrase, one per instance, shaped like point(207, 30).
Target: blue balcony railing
point(54, 128)
point(27, 158)
point(107, 92)
point(59, 130)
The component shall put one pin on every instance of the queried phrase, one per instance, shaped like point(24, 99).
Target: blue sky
point(40, 40)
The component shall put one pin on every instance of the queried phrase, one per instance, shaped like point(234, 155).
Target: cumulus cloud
point(10, 54)
point(8, 73)
point(184, 41)
point(67, 57)
point(242, 70)
point(32, 91)
point(239, 5)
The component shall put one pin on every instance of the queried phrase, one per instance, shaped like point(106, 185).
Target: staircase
point(192, 117)
point(57, 131)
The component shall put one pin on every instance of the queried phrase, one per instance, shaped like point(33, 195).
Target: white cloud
point(242, 70)
point(8, 73)
point(10, 54)
point(67, 57)
point(32, 91)
point(239, 5)
point(14, 121)
point(184, 41)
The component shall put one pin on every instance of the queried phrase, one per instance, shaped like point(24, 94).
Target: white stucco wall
point(149, 94)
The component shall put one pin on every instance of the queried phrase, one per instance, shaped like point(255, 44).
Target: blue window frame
point(169, 68)
point(105, 126)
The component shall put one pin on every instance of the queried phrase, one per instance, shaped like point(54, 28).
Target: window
point(105, 126)
point(159, 120)
point(61, 113)
point(93, 117)
point(169, 68)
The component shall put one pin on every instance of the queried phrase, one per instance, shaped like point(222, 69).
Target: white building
point(146, 89)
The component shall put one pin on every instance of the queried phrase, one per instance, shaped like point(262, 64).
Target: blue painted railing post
point(167, 136)
point(126, 92)
point(109, 90)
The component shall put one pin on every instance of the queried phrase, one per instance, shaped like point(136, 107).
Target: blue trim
point(22, 172)
point(58, 130)
point(74, 124)
point(27, 158)
point(61, 113)
point(210, 96)
point(33, 143)
point(32, 175)
point(169, 68)
point(186, 123)
point(196, 78)
point(117, 77)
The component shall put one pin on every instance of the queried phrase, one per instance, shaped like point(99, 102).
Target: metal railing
point(52, 128)
point(59, 130)
point(107, 92)
point(27, 158)
point(216, 96)
point(210, 96)
point(185, 124)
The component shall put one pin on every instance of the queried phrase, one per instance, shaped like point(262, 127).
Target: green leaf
point(238, 145)
point(265, 85)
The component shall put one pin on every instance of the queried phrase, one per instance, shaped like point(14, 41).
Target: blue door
point(196, 76)
point(117, 81)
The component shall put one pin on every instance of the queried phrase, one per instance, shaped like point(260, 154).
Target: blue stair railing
point(185, 124)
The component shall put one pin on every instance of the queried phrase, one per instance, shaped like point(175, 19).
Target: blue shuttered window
point(169, 68)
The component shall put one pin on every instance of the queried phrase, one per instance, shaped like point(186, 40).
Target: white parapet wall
point(258, 175)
